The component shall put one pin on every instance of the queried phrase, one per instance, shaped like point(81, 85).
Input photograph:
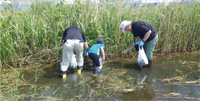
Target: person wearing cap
point(74, 41)
point(146, 36)
point(94, 54)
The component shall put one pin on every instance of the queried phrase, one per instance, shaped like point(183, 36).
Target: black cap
point(99, 41)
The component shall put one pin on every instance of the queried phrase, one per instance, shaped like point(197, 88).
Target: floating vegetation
point(37, 32)
point(180, 81)
point(119, 79)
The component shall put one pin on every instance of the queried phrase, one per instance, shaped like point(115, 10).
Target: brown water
point(172, 77)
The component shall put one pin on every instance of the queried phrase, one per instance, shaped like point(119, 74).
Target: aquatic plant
point(118, 77)
point(37, 32)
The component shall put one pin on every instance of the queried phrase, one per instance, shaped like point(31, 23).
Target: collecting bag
point(142, 58)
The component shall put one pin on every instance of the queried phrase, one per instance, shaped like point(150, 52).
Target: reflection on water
point(172, 77)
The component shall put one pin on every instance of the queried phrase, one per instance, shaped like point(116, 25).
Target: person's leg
point(93, 64)
point(66, 56)
point(78, 47)
point(90, 55)
point(73, 63)
point(96, 60)
point(98, 65)
point(100, 62)
point(149, 49)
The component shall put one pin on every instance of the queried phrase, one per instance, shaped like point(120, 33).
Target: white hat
point(124, 24)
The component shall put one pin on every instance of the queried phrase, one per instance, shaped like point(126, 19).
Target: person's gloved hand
point(136, 43)
point(86, 54)
point(102, 61)
point(141, 43)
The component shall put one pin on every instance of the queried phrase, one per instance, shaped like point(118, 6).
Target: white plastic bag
point(73, 62)
point(142, 58)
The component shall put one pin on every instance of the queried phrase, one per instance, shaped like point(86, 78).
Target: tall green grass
point(37, 32)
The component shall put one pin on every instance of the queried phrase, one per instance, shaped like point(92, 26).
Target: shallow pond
point(172, 77)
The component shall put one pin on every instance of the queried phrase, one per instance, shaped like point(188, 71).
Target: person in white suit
point(74, 43)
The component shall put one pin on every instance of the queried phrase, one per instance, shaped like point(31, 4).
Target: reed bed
point(36, 33)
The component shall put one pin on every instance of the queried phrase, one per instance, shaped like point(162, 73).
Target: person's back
point(140, 28)
point(74, 33)
point(96, 49)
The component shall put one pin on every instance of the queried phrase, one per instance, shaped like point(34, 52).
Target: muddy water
point(172, 77)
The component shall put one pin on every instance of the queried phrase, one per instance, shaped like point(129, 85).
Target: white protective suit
point(71, 46)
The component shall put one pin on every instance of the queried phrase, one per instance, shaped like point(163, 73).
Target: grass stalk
point(28, 33)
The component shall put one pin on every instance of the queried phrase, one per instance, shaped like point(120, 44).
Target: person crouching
point(94, 54)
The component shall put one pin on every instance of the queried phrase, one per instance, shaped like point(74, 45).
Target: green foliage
point(37, 32)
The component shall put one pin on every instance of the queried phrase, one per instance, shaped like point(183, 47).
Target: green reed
point(18, 73)
point(37, 32)
point(10, 88)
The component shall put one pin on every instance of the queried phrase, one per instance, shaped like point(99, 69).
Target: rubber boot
point(150, 63)
point(63, 75)
point(79, 68)
point(97, 70)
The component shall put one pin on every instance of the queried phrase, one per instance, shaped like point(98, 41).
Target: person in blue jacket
point(95, 53)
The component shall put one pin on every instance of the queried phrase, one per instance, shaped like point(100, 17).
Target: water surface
point(172, 77)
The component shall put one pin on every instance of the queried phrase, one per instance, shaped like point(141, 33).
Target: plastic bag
point(142, 58)
point(73, 62)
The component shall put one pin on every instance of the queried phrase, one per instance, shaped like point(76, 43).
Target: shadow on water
point(172, 77)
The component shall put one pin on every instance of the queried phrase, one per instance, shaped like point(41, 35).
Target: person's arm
point(138, 39)
point(86, 46)
point(85, 42)
point(146, 36)
point(64, 35)
point(103, 54)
